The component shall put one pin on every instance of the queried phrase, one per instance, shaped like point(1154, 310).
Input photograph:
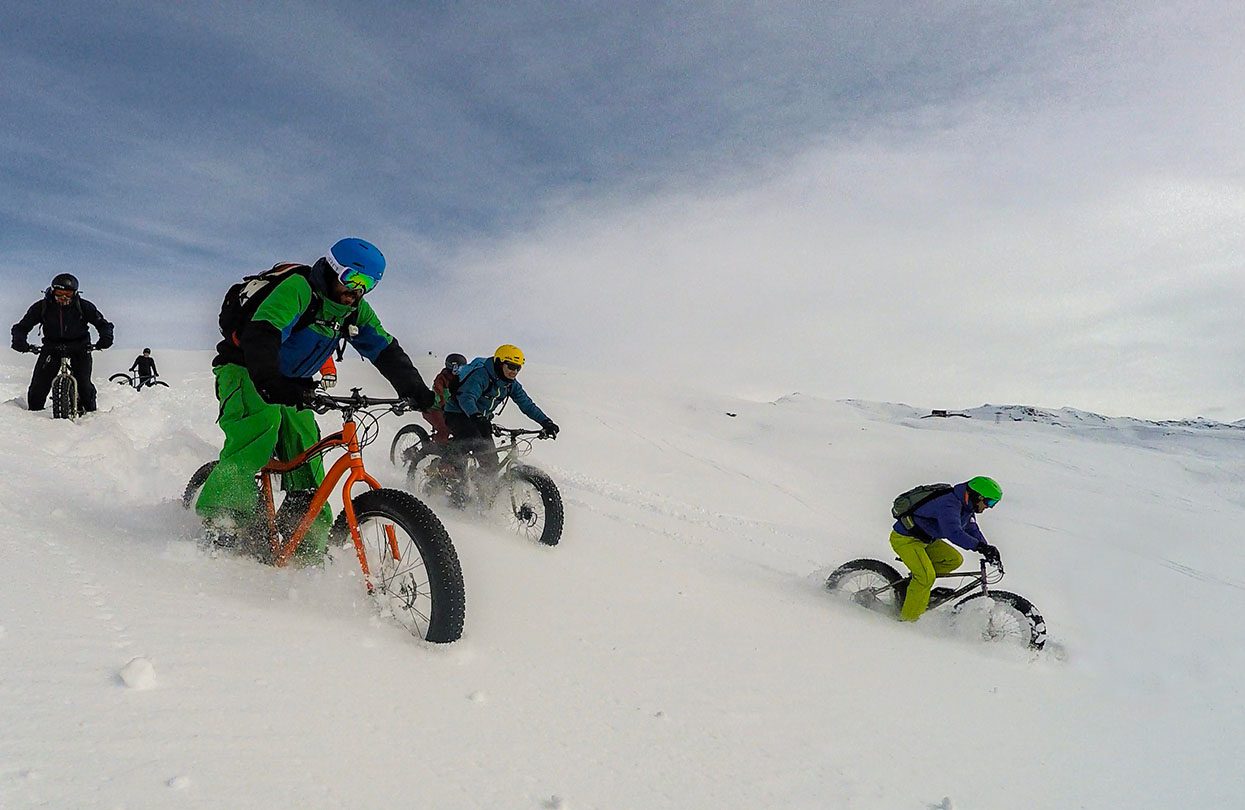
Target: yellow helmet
point(508, 353)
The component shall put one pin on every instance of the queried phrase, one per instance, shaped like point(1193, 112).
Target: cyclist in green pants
point(279, 328)
point(921, 537)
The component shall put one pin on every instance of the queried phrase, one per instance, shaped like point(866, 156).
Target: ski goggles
point(352, 277)
point(357, 280)
point(990, 502)
point(511, 366)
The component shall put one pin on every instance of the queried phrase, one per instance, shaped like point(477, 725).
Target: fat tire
point(550, 498)
point(838, 576)
point(160, 383)
point(191, 493)
point(64, 398)
point(406, 430)
point(122, 379)
point(1037, 625)
point(445, 575)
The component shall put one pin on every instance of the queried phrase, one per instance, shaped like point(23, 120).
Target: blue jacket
point(481, 392)
point(949, 516)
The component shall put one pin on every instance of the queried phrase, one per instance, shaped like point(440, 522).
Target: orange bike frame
point(350, 466)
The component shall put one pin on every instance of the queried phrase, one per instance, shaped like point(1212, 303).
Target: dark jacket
point(145, 365)
point(949, 516)
point(63, 325)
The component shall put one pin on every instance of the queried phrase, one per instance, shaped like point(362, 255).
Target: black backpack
point(908, 502)
point(243, 299)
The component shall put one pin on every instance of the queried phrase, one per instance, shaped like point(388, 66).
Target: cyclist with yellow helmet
point(920, 535)
point(483, 387)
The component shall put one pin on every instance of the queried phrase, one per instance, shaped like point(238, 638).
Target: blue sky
point(943, 203)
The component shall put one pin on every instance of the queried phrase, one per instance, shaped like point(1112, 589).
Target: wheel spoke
point(406, 593)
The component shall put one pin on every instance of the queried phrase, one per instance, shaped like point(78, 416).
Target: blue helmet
point(358, 264)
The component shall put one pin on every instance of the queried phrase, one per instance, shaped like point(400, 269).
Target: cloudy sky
point(941, 203)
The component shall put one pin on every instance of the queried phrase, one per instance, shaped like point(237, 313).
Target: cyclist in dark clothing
point(145, 365)
point(63, 316)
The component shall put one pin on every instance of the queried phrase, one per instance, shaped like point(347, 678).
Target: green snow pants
point(256, 431)
point(926, 560)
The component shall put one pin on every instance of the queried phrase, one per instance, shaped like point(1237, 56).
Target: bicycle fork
point(350, 466)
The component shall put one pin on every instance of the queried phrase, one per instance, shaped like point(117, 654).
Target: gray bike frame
point(978, 579)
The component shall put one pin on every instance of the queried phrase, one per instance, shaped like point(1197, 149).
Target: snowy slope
point(676, 651)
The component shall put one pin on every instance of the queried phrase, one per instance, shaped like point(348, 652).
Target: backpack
point(243, 299)
point(456, 382)
point(908, 502)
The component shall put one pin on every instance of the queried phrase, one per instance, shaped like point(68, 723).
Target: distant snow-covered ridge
point(1071, 418)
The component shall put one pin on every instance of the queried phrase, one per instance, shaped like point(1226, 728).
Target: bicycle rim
point(402, 584)
point(867, 583)
point(524, 508)
point(405, 444)
point(1004, 618)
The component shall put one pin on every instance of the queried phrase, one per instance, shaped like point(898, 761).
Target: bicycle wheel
point(64, 397)
point(429, 474)
point(533, 504)
point(405, 443)
point(121, 379)
point(423, 585)
point(191, 493)
point(1012, 619)
point(160, 383)
point(868, 583)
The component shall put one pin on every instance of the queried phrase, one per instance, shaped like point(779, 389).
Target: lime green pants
point(925, 560)
point(256, 431)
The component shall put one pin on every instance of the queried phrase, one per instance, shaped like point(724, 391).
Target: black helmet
point(453, 361)
point(65, 281)
point(146, 351)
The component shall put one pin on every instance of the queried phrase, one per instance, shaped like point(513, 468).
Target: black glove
point(99, 347)
point(22, 346)
point(989, 553)
point(551, 427)
point(292, 391)
point(421, 399)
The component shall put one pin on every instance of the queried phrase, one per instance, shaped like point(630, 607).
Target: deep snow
point(676, 651)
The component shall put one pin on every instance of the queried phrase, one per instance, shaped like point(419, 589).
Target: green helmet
point(987, 488)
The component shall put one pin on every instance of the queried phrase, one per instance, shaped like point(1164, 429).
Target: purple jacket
point(949, 516)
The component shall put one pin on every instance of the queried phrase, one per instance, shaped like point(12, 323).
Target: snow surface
point(676, 651)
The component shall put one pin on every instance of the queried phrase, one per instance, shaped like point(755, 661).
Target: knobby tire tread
point(64, 398)
point(550, 497)
point(445, 575)
point(1037, 625)
point(406, 430)
point(196, 482)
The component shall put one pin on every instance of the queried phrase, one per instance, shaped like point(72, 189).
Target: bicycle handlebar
point(515, 433)
point(323, 403)
point(60, 347)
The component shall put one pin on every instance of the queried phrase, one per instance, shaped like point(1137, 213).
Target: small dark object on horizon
point(945, 413)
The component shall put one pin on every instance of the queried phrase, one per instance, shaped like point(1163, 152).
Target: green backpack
point(913, 499)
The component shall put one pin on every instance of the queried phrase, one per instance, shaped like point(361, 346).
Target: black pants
point(48, 364)
point(469, 436)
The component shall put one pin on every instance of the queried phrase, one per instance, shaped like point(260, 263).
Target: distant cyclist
point(63, 316)
point(145, 365)
point(484, 385)
point(443, 388)
point(920, 537)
